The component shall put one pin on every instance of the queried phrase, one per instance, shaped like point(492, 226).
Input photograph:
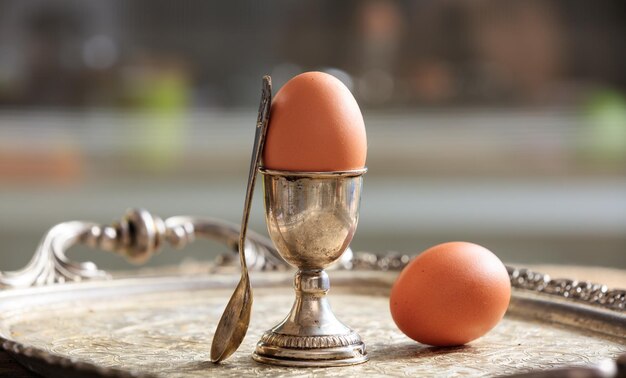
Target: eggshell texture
point(315, 125)
point(450, 294)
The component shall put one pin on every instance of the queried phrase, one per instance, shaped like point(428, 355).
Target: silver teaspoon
point(234, 323)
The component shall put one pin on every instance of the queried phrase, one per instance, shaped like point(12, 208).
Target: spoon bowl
point(234, 323)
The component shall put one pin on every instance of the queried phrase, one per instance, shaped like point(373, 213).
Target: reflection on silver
point(311, 218)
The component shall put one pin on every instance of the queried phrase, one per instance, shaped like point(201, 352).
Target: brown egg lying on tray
point(450, 294)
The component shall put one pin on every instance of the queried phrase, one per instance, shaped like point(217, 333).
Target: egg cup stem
point(311, 218)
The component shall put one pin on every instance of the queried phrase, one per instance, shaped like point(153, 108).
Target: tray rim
point(526, 303)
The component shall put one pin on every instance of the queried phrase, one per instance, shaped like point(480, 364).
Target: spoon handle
point(259, 142)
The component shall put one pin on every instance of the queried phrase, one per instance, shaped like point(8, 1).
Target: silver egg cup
point(311, 218)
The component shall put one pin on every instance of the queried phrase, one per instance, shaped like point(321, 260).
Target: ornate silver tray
point(162, 326)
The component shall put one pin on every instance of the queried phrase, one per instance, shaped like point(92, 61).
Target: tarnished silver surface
point(311, 218)
point(162, 328)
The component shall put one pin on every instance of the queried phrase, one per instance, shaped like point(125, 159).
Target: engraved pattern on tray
point(169, 335)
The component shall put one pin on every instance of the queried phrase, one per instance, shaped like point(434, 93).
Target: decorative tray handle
point(137, 237)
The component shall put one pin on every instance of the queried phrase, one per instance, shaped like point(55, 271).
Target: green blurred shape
point(162, 100)
point(165, 92)
point(604, 137)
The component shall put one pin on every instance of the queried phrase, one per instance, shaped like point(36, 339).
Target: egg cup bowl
point(311, 218)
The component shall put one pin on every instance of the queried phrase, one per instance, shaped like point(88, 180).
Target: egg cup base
point(311, 357)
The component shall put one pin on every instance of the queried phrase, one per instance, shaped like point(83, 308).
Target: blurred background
point(497, 122)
